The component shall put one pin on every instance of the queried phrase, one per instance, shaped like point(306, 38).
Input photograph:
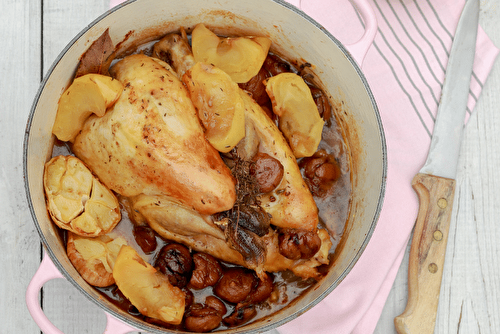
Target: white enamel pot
point(296, 36)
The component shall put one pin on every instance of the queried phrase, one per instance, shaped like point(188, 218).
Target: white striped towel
point(405, 69)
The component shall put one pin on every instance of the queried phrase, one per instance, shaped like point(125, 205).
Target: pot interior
point(295, 36)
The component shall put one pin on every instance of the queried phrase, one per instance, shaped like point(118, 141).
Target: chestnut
point(189, 296)
point(200, 318)
point(242, 313)
point(268, 171)
point(203, 318)
point(207, 271)
point(145, 237)
point(275, 65)
point(262, 291)
point(174, 260)
point(235, 285)
point(216, 303)
point(320, 172)
point(255, 86)
point(298, 243)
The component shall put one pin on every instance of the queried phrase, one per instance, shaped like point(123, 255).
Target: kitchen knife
point(435, 183)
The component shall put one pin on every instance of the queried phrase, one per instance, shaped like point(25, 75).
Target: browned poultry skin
point(151, 141)
point(290, 204)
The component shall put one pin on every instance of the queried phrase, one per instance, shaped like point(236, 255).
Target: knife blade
point(435, 183)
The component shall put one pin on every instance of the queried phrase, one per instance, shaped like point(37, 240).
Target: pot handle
point(359, 49)
point(46, 272)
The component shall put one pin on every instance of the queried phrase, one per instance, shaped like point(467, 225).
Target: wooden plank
point(20, 77)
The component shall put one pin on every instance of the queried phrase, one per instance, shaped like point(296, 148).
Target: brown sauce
point(333, 212)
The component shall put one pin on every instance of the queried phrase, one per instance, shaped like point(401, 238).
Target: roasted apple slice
point(147, 289)
point(91, 93)
point(77, 200)
point(299, 118)
point(240, 57)
point(94, 258)
point(219, 105)
point(110, 88)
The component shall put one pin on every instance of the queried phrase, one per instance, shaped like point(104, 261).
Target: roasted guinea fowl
point(151, 149)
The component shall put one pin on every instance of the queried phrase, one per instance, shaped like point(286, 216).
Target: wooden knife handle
point(427, 253)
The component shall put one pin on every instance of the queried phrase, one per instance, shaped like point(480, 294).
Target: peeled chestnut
point(189, 296)
point(320, 172)
point(235, 285)
point(275, 65)
point(241, 314)
point(174, 260)
point(207, 271)
point(216, 303)
point(298, 243)
point(324, 108)
point(256, 87)
point(268, 171)
point(262, 291)
point(201, 318)
point(145, 237)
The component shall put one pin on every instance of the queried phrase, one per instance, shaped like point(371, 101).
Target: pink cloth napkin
point(405, 68)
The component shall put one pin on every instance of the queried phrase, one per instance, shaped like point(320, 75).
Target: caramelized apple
point(219, 105)
point(240, 57)
point(110, 88)
point(147, 289)
point(299, 119)
point(87, 95)
point(94, 258)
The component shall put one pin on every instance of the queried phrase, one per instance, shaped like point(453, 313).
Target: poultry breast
point(151, 141)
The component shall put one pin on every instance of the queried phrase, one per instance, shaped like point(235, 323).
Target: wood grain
point(20, 76)
point(427, 254)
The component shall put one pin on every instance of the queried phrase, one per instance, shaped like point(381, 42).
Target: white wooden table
point(33, 32)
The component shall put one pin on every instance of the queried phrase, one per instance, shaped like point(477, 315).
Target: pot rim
point(141, 325)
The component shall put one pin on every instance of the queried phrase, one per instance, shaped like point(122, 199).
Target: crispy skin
point(151, 141)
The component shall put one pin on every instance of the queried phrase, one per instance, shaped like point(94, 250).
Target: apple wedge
point(147, 289)
point(91, 93)
point(110, 88)
point(299, 119)
point(94, 258)
point(219, 105)
point(240, 57)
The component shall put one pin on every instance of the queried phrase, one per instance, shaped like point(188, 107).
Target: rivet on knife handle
point(427, 253)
